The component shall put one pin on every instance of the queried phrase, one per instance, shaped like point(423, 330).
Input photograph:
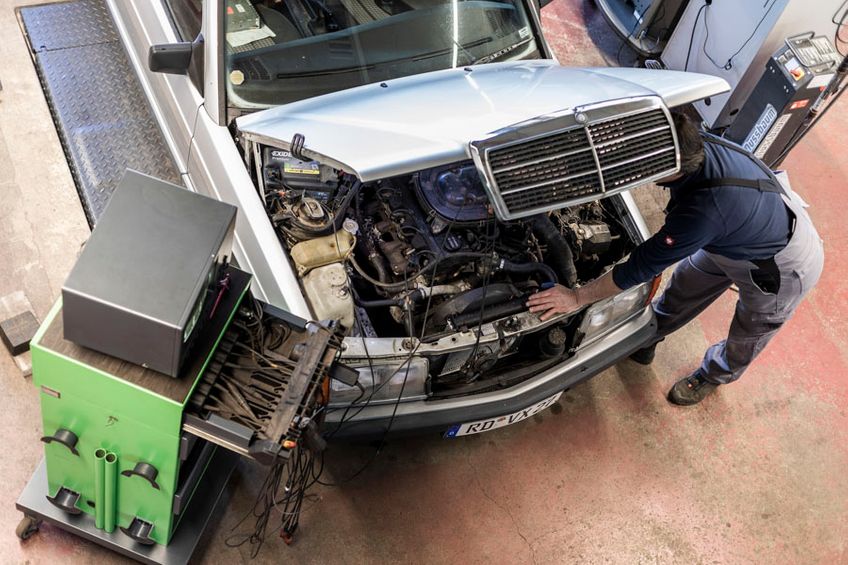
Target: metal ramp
point(101, 114)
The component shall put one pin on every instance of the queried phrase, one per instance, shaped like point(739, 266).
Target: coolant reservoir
point(328, 293)
point(321, 251)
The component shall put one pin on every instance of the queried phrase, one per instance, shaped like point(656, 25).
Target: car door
point(175, 99)
point(217, 169)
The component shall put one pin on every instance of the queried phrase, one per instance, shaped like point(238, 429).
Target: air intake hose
point(559, 252)
point(527, 268)
point(492, 312)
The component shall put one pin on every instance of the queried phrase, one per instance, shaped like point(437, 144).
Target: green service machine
point(157, 370)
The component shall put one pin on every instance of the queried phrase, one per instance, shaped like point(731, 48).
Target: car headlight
point(383, 385)
point(605, 315)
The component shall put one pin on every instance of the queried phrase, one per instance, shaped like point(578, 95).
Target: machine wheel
point(27, 527)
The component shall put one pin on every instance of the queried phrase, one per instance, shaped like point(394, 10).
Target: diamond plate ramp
point(101, 114)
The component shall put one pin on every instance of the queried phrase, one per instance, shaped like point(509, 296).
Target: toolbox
point(136, 459)
point(155, 435)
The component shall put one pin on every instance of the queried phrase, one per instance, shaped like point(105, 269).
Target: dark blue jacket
point(733, 221)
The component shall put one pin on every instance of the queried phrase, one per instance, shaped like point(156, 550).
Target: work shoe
point(644, 356)
point(690, 390)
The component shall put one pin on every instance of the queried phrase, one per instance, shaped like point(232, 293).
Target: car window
point(279, 52)
point(187, 16)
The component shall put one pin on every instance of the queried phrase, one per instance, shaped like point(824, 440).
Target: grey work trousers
point(700, 279)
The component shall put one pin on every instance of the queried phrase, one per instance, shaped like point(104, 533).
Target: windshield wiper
point(418, 57)
point(471, 58)
point(322, 72)
point(501, 52)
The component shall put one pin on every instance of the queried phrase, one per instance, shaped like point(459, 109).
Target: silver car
point(415, 169)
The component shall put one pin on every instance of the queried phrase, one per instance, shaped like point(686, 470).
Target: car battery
point(783, 98)
point(146, 280)
point(284, 171)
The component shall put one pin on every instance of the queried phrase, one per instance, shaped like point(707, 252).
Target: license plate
point(500, 421)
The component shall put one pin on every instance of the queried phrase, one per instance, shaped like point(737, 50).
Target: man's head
point(691, 146)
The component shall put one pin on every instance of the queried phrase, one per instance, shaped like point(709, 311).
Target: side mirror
point(171, 58)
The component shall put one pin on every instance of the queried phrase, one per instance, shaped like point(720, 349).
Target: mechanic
point(730, 220)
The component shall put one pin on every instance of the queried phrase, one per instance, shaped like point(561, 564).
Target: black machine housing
point(783, 98)
point(145, 281)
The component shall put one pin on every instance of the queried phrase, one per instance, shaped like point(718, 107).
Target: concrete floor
point(611, 474)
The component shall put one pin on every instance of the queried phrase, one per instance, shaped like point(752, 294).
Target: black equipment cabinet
point(794, 79)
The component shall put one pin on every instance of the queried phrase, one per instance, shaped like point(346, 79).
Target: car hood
point(412, 123)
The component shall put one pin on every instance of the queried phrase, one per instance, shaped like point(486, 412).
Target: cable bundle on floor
point(295, 475)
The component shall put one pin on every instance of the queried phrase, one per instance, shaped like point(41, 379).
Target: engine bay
point(424, 256)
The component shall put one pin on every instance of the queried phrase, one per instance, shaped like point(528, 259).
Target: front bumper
point(420, 417)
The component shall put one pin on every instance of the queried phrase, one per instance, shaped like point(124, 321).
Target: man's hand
point(562, 300)
point(556, 300)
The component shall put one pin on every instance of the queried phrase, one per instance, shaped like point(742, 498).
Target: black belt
point(767, 274)
point(763, 185)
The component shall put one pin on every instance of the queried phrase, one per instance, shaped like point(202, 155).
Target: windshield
point(279, 51)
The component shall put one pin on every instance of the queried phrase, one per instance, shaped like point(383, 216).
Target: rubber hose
point(559, 254)
point(390, 286)
point(339, 215)
point(526, 268)
point(492, 312)
point(416, 295)
point(402, 285)
point(380, 266)
point(380, 302)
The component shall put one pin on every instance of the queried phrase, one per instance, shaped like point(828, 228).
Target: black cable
point(641, 44)
point(388, 426)
point(403, 285)
point(624, 42)
point(296, 485)
point(376, 389)
point(480, 321)
point(660, 33)
point(357, 399)
point(405, 363)
point(841, 6)
point(704, 45)
point(298, 468)
point(396, 404)
point(692, 35)
point(729, 64)
point(433, 278)
point(299, 471)
point(261, 510)
point(840, 23)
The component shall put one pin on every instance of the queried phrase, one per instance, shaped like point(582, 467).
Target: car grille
point(582, 162)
